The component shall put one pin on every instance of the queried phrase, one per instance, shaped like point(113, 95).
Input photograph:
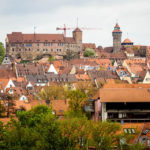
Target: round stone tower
point(117, 33)
point(77, 35)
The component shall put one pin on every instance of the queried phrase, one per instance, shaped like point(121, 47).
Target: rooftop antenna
point(34, 33)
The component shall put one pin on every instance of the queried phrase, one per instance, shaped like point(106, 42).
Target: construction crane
point(64, 28)
point(82, 28)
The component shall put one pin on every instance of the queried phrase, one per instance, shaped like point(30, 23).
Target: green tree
point(2, 52)
point(77, 100)
point(51, 58)
point(89, 52)
point(76, 132)
point(52, 93)
point(37, 129)
point(104, 135)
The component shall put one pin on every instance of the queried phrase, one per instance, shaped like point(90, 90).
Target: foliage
point(76, 131)
point(71, 55)
point(2, 109)
point(35, 130)
point(52, 93)
point(51, 58)
point(89, 52)
point(39, 129)
point(9, 103)
point(24, 61)
point(77, 100)
point(135, 48)
point(104, 135)
point(88, 88)
point(2, 52)
point(101, 68)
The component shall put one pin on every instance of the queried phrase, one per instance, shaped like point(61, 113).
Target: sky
point(133, 16)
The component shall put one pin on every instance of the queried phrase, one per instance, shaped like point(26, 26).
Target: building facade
point(30, 46)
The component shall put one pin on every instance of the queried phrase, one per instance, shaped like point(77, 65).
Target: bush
point(89, 52)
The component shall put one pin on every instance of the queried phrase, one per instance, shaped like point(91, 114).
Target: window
point(45, 44)
point(38, 44)
point(29, 45)
point(129, 130)
point(13, 44)
point(37, 49)
point(51, 50)
point(13, 49)
point(122, 115)
point(125, 130)
point(147, 79)
point(146, 131)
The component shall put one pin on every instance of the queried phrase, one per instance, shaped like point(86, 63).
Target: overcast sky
point(133, 17)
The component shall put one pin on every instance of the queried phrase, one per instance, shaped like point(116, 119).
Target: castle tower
point(117, 33)
point(77, 35)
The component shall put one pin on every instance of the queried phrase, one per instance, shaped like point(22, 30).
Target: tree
point(52, 93)
point(76, 131)
point(51, 58)
point(71, 55)
point(9, 103)
point(2, 52)
point(2, 109)
point(104, 135)
point(89, 52)
point(77, 100)
point(37, 129)
point(88, 88)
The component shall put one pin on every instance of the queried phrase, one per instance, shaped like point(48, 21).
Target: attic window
point(146, 131)
point(129, 130)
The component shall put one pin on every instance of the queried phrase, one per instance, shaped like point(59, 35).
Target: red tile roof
point(27, 38)
point(117, 30)
point(117, 25)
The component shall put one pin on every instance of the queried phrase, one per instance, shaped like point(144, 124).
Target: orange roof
point(3, 82)
point(124, 95)
point(127, 41)
point(6, 120)
point(125, 85)
point(82, 77)
point(135, 61)
point(117, 25)
point(19, 79)
point(60, 106)
point(117, 30)
point(136, 126)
